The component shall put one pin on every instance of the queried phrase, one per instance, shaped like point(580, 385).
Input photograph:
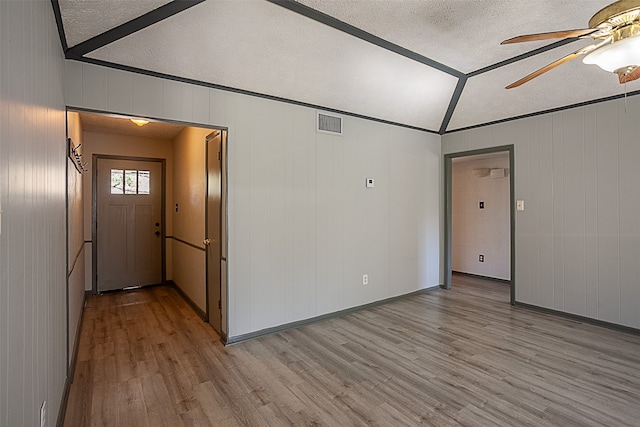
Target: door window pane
point(143, 182)
point(117, 180)
point(130, 182)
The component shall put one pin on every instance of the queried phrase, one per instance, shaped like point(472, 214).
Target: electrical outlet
point(43, 414)
point(481, 258)
point(365, 279)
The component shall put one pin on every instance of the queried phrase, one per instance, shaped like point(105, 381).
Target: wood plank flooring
point(445, 358)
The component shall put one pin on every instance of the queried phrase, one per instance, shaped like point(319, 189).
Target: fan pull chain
point(625, 96)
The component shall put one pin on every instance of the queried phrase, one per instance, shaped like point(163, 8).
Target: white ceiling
point(261, 47)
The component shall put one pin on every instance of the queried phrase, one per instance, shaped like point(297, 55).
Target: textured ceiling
point(84, 19)
point(463, 34)
point(364, 57)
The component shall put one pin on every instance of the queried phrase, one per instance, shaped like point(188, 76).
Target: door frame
point(224, 228)
point(94, 213)
point(448, 193)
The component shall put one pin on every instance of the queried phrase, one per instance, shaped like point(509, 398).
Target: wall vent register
point(329, 124)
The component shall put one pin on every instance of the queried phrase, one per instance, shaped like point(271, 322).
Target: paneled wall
point(476, 231)
point(303, 228)
point(578, 240)
point(75, 236)
point(33, 330)
point(189, 254)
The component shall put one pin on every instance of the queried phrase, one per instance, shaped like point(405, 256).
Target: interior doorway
point(469, 257)
point(129, 222)
point(180, 150)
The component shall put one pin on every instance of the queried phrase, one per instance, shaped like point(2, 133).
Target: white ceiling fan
point(616, 31)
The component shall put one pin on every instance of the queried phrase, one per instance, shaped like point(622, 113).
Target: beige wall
point(76, 247)
point(476, 231)
point(123, 145)
point(189, 221)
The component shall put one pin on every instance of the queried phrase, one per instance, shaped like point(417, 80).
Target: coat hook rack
point(76, 157)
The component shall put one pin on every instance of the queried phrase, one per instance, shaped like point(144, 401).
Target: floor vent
point(329, 124)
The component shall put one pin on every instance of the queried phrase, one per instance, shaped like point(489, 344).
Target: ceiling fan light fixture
point(620, 55)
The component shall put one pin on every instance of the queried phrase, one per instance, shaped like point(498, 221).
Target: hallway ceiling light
point(140, 122)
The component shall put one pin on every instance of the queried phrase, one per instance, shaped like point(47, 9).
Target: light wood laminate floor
point(459, 357)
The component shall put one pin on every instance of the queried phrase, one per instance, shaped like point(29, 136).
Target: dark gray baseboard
point(193, 305)
point(323, 317)
point(478, 276)
point(581, 319)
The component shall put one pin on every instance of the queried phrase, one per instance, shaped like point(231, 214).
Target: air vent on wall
point(329, 124)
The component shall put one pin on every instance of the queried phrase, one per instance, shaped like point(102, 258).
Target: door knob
point(206, 242)
point(157, 233)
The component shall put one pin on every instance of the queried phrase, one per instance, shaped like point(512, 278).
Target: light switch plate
point(370, 183)
point(520, 205)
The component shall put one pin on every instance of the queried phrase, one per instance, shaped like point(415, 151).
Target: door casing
point(448, 189)
point(221, 231)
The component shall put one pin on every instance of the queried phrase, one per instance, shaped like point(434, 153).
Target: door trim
point(94, 213)
point(224, 226)
point(448, 189)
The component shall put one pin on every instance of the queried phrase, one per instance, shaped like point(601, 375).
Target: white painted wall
point(302, 227)
point(124, 145)
point(578, 241)
point(476, 231)
point(189, 263)
point(75, 220)
point(33, 332)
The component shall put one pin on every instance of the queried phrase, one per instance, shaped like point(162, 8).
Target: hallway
point(463, 356)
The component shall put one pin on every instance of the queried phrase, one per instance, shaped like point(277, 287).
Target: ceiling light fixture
point(140, 122)
point(618, 57)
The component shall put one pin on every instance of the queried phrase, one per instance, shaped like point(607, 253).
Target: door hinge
point(220, 304)
point(219, 156)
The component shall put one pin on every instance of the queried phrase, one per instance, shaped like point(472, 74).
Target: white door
point(128, 223)
point(213, 229)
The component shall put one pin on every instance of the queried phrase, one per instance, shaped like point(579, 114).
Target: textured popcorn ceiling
point(261, 47)
point(463, 34)
point(484, 100)
point(83, 19)
point(258, 46)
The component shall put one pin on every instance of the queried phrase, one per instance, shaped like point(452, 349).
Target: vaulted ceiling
point(435, 65)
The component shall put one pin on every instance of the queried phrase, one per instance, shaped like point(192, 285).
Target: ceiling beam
point(457, 93)
point(128, 28)
point(58, 15)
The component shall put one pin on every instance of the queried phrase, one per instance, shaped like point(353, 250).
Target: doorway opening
point(173, 156)
point(480, 215)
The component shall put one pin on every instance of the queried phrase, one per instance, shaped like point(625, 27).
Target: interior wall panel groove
point(33, 307)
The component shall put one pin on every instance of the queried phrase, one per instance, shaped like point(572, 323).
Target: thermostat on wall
point(370, 183)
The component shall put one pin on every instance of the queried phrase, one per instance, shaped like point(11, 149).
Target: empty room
point(319, 212)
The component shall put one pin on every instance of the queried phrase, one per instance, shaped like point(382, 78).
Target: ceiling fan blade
point(626, 78)
point(554, 64)
point(552, 35)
